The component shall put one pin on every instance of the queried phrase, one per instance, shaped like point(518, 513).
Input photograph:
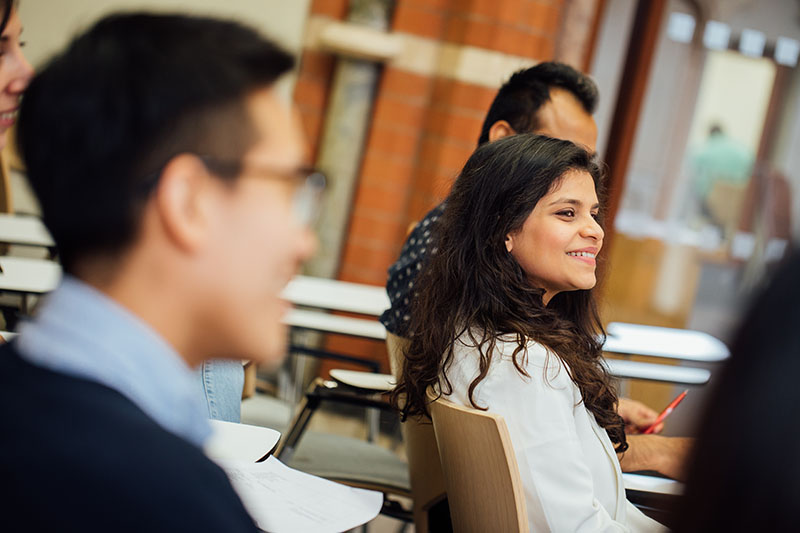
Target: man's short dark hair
point(100, 121)
point(520, 98)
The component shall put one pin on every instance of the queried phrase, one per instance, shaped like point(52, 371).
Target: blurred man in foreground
point(167, 168)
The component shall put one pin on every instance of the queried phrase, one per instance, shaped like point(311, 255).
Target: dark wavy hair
point(6, 8)
point(472, 286)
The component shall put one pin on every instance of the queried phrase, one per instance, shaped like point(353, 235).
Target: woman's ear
point(509, 242)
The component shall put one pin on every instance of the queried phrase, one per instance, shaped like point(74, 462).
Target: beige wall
point(735, 92)
point(49, 24)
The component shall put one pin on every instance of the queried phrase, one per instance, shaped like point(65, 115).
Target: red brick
point(389, 140)
point(312, 126)
point(310, 94)
point(509, 12)
point(392, 174)
point(398, 113)
point(456, 29)
point(480, 33)
point(369, 195)
point(434, 5)
point(443, 157)
point(367, 227)
point(512, 40)
point(368, 255)
point(357, 274)
point(464, 95)
point(333, 8)
point(418, 20)
point(398, 82)
point(547, 48)
point(317, 66)
point(462, 127)
point(552, 18)
point(477, 8)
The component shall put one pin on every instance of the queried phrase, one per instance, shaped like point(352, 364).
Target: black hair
point(744, 474)
point(6, 8)
point(473, 290)
point(99, 122)
point(521, 97)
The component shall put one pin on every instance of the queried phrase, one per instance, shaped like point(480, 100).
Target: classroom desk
point(24, 230)
point(683, 344)
point(28, 276)
point(327, 323)
point(623, 339)
point(681, 375)
point(337, 295)
point(372, 329)
point(232, 441)
point(653, 484)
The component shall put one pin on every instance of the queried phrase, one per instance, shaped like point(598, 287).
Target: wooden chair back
point(480, 469)
point(424, 468)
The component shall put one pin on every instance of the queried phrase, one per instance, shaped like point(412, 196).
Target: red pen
point(665, 413)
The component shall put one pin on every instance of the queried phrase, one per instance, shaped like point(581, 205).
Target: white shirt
point(569, 469)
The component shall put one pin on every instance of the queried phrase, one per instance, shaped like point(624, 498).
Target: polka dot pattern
point(403, 273)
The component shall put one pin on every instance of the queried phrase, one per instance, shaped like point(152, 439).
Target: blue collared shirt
point(83, 333)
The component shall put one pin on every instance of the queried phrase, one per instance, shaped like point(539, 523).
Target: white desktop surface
point(240, 442)
point(652, 484)
point(35, 276)
point(30, 231)
point(684, 344)
point(327, 323)
point(684, 375)
point(337, 295)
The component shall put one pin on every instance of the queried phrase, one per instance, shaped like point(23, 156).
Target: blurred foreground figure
point(745, 470)
point(166, 167)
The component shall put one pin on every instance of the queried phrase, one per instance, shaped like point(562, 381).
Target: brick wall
point(424, 126)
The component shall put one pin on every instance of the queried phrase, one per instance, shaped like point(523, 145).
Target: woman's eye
point(566, 213)
point(596, 216)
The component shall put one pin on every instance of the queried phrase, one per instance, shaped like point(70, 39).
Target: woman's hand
point(637, 416)
point(665, 455)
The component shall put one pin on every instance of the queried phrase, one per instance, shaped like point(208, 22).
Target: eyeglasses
point(307, 197)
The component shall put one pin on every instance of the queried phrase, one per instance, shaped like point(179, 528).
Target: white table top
point(327, 323)
point(364, 380)
point(242, 442)
point(684, 344)
point(652, 484)
point(30, 231)
point(36, 276)
point(684, 375)
point(337, 295)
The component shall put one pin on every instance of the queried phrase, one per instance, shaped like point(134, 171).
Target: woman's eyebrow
point(572, 201)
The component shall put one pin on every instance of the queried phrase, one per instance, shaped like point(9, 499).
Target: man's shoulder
point(95, 457)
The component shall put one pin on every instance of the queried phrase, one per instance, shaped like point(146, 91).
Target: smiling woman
point(15, 71)
point(504, 320)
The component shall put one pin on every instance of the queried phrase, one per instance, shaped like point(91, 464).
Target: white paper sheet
point(281, 499)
